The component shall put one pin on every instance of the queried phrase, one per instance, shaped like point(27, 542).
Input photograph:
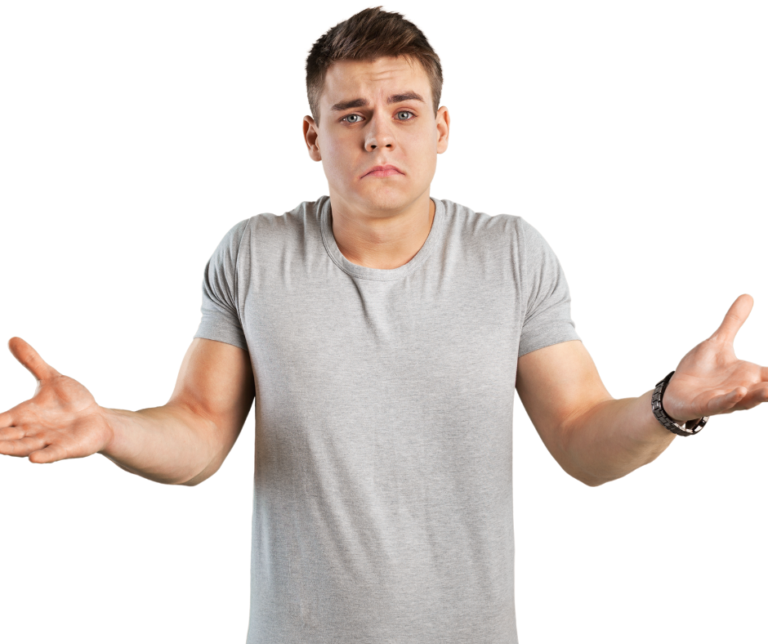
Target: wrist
point(114, 423)
point(686, 427)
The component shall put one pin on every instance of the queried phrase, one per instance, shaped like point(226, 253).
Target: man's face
point(388, 124)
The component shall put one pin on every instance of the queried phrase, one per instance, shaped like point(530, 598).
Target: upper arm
point(216, 383)
point(557, 384)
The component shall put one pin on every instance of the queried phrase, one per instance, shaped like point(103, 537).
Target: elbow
point(581, 475)
point(201, 476)
point(587, 478)
point(590, 481)
point(595, 481)
point(214, 458)
point(195, 480)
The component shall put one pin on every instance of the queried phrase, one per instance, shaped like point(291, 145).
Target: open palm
point(62, 419)
point(711, 380)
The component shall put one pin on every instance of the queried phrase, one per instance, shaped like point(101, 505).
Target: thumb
point(26, 355)
point(734, 318)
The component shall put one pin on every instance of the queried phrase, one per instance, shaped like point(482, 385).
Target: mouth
point(383, 171)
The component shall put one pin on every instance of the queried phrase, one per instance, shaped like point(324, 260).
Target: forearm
point(168, 444)
point(615, 438)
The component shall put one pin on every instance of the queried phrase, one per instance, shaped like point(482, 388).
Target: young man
point(383, 333)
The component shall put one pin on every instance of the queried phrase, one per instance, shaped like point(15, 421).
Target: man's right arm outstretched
point(181, 443)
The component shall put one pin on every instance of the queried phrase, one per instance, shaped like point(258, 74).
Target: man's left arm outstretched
point(596, 438)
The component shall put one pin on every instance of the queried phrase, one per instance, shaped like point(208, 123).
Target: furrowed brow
point(348, 105)
point(408, 96)
point(361, 102)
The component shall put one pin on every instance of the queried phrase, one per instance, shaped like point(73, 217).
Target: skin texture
point(380, 222)
point(182, 442)
point(596, 438)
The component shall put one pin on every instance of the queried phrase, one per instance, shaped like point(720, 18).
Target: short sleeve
point(220, 311)
point(545, 294)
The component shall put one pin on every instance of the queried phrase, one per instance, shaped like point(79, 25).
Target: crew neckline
point(367, 272)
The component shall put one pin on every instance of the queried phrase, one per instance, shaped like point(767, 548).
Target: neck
point(382, 239)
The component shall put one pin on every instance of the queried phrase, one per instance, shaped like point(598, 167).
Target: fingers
point(755, 396)
point(45, 445)
point(22, 447)
point(18, 415)
point(31, 359)
point(734, 318)
point(11, 433)
point(724, 402)
point(6, 418)
point(49, 454)
point(737, 399)
point(35, 443)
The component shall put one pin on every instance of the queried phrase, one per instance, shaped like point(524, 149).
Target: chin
point(383, 199)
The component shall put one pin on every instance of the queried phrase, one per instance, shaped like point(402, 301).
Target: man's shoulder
point(293, 223)
point(465, 220)
point(305, 212)
point(268, 236)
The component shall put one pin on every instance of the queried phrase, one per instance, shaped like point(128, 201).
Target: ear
point(443, 121)
point(311, 133)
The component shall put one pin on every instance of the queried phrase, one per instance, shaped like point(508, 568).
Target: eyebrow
point(361, 102)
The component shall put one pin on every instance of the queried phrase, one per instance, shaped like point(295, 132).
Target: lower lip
point(383, 173)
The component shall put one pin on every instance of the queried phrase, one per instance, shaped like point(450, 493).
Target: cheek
point(336, 156)
point(424, 152)
point(420, 143)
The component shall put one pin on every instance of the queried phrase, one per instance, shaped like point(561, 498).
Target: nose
point(379, 134)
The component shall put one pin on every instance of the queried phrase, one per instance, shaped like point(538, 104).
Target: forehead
point(347, 77)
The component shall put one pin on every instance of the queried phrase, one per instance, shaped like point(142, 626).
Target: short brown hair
point(368, 35)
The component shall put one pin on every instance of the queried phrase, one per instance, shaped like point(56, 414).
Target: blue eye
point(360, 117)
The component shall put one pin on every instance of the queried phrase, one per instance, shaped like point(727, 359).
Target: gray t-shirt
point(382, 508)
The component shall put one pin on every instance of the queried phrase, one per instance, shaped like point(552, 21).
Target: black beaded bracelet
point(690, 428)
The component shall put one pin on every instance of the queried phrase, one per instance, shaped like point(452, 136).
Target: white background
point(632, 135)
